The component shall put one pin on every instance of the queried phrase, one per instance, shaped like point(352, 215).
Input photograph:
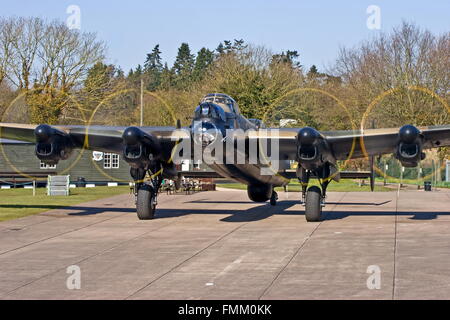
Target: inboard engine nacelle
point(140, 148)
point(410, 145)
point(312, 149)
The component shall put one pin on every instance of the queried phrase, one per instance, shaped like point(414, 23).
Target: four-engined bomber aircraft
point(150, 151)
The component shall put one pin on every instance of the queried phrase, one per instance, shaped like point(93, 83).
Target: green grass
point(294, 186)
point(440, 184)
point(17, 203)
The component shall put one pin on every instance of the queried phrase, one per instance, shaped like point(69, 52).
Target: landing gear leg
point(304, 181)
point(324, 186)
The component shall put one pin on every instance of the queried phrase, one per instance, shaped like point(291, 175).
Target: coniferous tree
point(289, 57)
point(183, 67)
point(220, 48)
point(135, 76)
point(167, 76)
point(153, 68)
point(313, 70)
point(204, 59)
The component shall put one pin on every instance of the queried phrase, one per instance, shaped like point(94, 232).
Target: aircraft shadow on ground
point(81, 211)
point(247, 215)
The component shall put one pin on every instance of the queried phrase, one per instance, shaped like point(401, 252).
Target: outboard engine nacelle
point(140, 148)
point(310, 148)
point(410, 145)
point(52, 144)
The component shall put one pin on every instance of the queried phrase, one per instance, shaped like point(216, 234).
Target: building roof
point(8, 141)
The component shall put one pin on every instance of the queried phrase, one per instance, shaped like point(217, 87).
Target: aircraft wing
point(343, 145)
point(352, 144)
point(374, 142)
point(99, 138)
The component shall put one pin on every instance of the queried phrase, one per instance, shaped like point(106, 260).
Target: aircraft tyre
point(313, 208)
point(145, 203)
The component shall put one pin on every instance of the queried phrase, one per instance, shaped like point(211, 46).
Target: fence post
point(402, 168)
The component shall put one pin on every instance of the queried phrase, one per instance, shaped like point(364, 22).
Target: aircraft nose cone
point(43, 132)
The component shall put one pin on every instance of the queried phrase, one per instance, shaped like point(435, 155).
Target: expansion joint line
point(297, 252)
point(193, 256)
point(395, 241)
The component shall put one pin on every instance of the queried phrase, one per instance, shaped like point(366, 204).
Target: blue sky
point(316, 29)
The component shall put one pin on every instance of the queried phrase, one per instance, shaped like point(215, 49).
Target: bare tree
point(66, 55)
point(7, 35)
point(33, 50)
point(47, 57)
point(410, 63)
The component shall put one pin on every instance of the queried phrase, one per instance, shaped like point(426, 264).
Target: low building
point(95, 167)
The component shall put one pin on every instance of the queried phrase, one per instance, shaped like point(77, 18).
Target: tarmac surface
point(219, 245)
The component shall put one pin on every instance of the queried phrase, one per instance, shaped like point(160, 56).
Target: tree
point(406, 58)
point(20, 40)
point(204, 59)
point(46, 61)
point(290, 57)
point(99, 83)
point(135, 76)
point(228, 46)
point(252, 77)
point(153, 69)
point(183, 67)
point(313, 71)
point(167, 78)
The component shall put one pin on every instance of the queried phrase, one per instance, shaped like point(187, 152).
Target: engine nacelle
point(312, 149)
point(259, 193)
point(140, 148)
point(410, 145)
point(52, 144)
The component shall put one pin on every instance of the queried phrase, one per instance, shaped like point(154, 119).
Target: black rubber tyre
point(273, 199)
point(313, 208)
point(145, 206)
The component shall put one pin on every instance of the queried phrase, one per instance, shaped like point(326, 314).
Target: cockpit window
point(206, 110)
point(221, 99)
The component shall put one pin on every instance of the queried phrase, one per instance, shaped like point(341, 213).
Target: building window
point(45, 166)
point(110, 161)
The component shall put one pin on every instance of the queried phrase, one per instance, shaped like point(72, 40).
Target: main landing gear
point(313, 198)
point(146, 192)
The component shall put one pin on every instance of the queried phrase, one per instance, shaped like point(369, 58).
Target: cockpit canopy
point(225, 101)
point(210, 110)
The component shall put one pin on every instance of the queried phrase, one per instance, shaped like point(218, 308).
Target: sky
point(316, 29)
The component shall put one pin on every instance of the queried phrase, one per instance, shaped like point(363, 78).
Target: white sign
point(185, 165)
point(97, 155)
